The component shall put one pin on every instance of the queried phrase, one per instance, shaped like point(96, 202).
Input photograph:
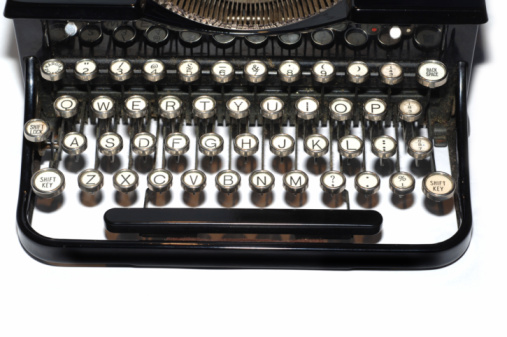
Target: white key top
point(333, 182)
point(143, 144)
point(86, 70)
point(189, 71)
point(358, 72)
point(367, 183)
point(402, 183)
point(66, 106)
point(282, 145)
point(136, 106)
point(255, 71)
point(160, 180)
point(103, 107)
point(432, 74)
point(48, 183)
point(295, 181)
point(340, 109)
point(120, 70)
point(170, 107)
point(375, 109)
point(246, 144)
point(289, 71)
point(272, 108)
point(52, 70)
point(350, 146)
point(204, 107)
point(238, 107)
point(177, 144)
point(384, 146)
point(307, 108)
point(110, 144)
point(316, 145)
point(391, 73)
point(222, 72)
point(228, 181)
point(410, 110)
point(323, 72)
point(438, 186)
point(420, 148)
point(36, 130)
point(261, 181)
point(125, 180)
point(74, 143)
point(193, 181)
point(211, 144)
point(154, 70)
point(90, 181)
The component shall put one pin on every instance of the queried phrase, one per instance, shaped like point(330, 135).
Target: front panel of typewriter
point(338, 139)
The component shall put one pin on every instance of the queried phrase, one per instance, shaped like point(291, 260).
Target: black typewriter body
point(247, 224)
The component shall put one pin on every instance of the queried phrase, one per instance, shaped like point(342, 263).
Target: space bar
point(262, 221)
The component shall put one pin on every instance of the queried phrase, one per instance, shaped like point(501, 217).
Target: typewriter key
point(103, 107)
point(136, 106)
point(238, 107)
point(124, 36)
point(222, 72)
point(228, 181)
point(90, 181)
point(211, 144)
point(402, 183)
point(256, 41)
point(224, 40)
point(438, 186)
point(189, 71)
point(323, 72)
point(307, 108)
point(289, 71)
point(428, 37)
point(384, 147)
point(90, 35)
point(358, 72)
point(272, 108)
point(65, 106)
point(110, 26)
point(340, 109)
point(120, 70)
point(391, 73)
point(74, 143)
point(170, 107)
point(390, 36)
point(86, 70)
point(295, 181)
point(375, 109)
point(356, 37)
point(177, 144)
point(204, 107)
point(323, 38)
point(154, 70)
point(255, 71)
point(261, 181)
point(48, 183)
point(316, 145)
point(160, 180)
point(282, 145)
point(420, 148)
point(142, 25)
point(110, 144)
point(290, 40)
point(193, 181)
point(410, 110)
point(52, 70)
point(156, 36)
point(125, 181)
point(143, 144)
point(190, 38)
point(432, 74)
point(350, 146)
point(367, 183)
point(36, 130)
point(246, 144)
point(333, 182)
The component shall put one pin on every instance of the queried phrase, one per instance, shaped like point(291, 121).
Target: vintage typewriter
point(326, 134)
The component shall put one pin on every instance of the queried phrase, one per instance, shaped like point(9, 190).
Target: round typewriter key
point(333, 182)
point(420, 148)
point(125, 181)
point(289, 71)
point(282, 145)
point(103, 107)
point(177, 144)
point(228, 181)
point(307, 108)
point(272, 108)
point(136, 106)
point(384, 147)
point(142, 25)
point(160, 180)
point(74, 143)
point(432, 74)
point(86, 70)
point(204, 107)
point(211, 144)
point(124, 36)
point(66, 106)
point(170, 107)
point(428, 37)
point(193, 181)
point(316, 145)
point(438, 186)
point(358, 72)
point(110, 26)
point(156, 36)
point(323, 72)
point(256, 41)
point(323, 38)
point(356, 37)
point(391, 73)
point(90, 181)
point(375, 109)
point(255, 71)
point(71, 28)
point(402, 183)
point(246, 144)
point(110, 144)
point(222, 72)
point(90, 35)
point(238, 107)
point(143, 144)
point(190, 38)
point(59, 32)
point(36, 130)
point(224, 40)
point(367, 183)
point(189, 71)
point(120, 70)
point(390, 36)
point(154, 70)
point(48, 183)
point(340, 109)
point(295, 181)
point(261, 181)
point(410, 110)
point(290, 40)
point(52, 70)
point(350, 146)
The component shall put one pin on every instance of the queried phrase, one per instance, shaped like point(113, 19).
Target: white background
point(467, 298)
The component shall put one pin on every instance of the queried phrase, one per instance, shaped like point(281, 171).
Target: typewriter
point(327, 134)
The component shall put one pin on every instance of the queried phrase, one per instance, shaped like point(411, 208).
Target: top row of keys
point(431, 73)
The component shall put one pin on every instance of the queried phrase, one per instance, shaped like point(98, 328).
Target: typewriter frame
point(249, 255)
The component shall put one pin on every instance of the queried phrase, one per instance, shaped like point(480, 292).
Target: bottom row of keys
point(50, 183)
